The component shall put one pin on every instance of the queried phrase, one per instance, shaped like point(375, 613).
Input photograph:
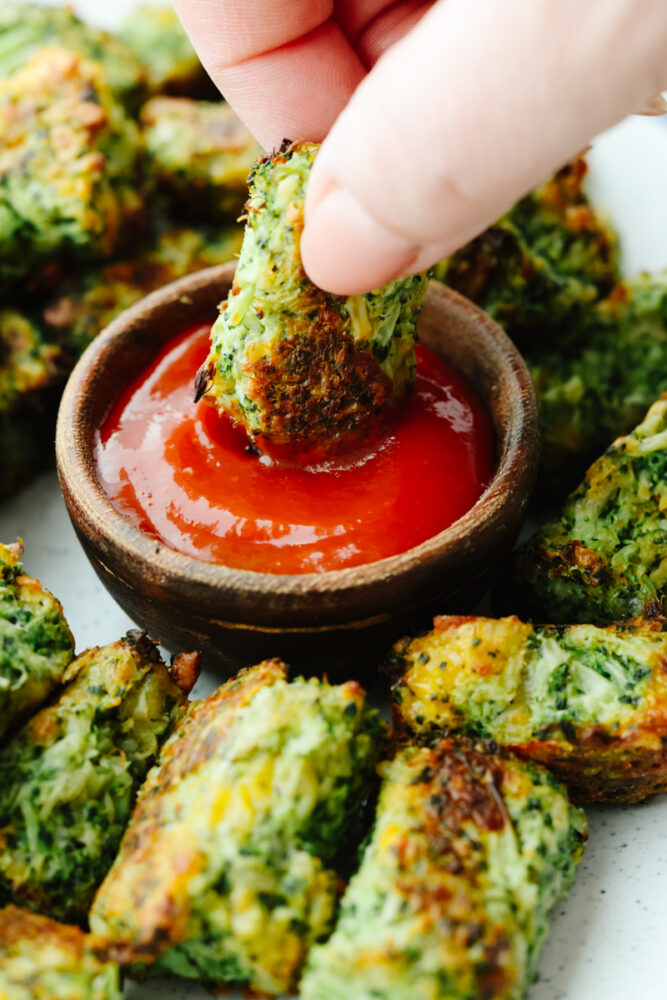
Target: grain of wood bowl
point(341, 621)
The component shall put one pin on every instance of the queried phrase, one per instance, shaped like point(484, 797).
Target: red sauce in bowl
point(186, 476)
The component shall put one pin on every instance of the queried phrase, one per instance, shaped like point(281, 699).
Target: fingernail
point(655, 106)
point(344, 249)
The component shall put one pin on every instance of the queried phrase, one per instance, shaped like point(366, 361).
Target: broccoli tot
point(32, 375)
point(199, 154)
point(225, 873)
point(38, 349)
point(68, 158)
point(470, 850)
point(601, 388)
point(290, 363)
point(36, 645)
point(27, 27)
point(69, 777)
point(542, 265)
point(86, 304)
point(41, 959)
point(596, 346)
point(605, 557)
point(590, 703)
point(158, 39)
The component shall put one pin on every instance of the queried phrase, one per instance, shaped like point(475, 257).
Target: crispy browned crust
point(184, 670)
point(288, 384)
point(466, 786)
point(564, 195)
point(17, 925)
point(464, 782)
point(599, 768)
point(561, 562)
point(181, 755)
point(507, 272)
point(573, 561)
point(445, 622)
point(472, 274)
point(315, 387)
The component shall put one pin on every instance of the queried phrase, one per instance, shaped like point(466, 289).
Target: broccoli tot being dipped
point(69, 777)
point(36, 645)
point(605, 557)
point(590, 703)
point(289, 362)
point(471, 849)
point(226, 871)
point(41, 959)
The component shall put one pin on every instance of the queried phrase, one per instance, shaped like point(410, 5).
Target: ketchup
point(183, 474)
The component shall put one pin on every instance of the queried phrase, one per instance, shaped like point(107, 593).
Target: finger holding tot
point(464, 108)
point(464, 115)
point(286, 68)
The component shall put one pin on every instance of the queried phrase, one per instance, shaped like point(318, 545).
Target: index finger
point(285, 66)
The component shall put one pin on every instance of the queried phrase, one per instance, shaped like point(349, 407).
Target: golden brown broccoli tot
point(41, 959)
point(590, 703)
point(604, 558)
point(225, 873)
point(68, 162)
point(198, 154)
point(471, 849)
point(36, 645)
point(542, 265)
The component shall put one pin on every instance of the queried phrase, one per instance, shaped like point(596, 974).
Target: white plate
point(607, 937)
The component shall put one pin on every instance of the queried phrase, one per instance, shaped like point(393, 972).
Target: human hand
point(435, 117)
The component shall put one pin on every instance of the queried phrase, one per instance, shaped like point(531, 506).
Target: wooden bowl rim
point(75, 461)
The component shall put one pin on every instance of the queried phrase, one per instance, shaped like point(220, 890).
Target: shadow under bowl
point(340, 621)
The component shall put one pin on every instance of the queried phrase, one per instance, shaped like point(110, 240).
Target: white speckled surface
point(607, 938)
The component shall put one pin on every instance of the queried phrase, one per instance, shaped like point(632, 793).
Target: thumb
point(472, 108)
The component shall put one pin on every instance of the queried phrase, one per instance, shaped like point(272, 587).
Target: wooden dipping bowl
point(341, 621)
